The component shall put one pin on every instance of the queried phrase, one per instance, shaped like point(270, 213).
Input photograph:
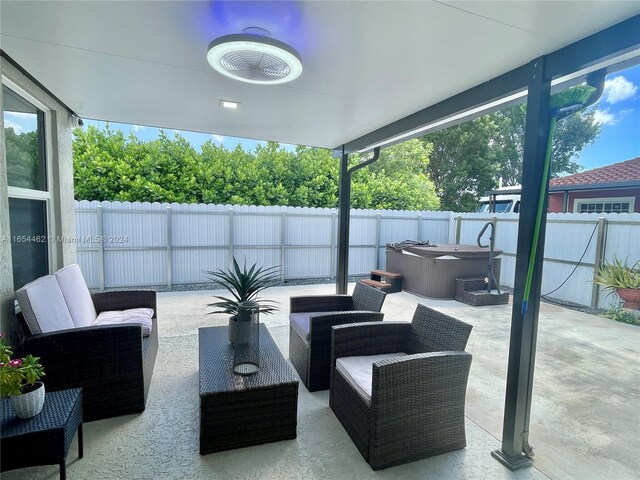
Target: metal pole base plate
point(515, 462)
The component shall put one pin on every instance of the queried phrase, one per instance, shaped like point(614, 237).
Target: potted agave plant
point(19, 381)
point(244, 284)
point(622, 278)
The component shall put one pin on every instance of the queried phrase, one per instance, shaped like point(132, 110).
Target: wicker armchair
point(403, 406)
point(310, 322)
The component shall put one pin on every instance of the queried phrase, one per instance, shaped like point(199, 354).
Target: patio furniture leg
point(80, 447)
point(63, 470)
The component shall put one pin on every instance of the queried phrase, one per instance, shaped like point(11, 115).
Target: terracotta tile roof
point(618, 172)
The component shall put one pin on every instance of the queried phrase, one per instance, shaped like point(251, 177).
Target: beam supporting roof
point(584, 54)
point(488, 92)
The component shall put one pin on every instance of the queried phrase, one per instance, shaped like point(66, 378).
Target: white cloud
point(618, 89)
point(604, 117)
point(218, 139)
point(17, 115)
point(137, 128)
point(20, 122)
point(16, 128)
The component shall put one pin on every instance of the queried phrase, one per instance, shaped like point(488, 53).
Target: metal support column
point(344, 215)
point(516, 450)
point(344, 205)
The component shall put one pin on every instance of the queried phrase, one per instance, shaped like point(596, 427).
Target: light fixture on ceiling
point(229, 104)
point(254, 58)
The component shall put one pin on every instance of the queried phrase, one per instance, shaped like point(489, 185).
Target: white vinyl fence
point(122, 244)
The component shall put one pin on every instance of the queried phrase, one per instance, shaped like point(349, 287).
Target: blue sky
point(196, 139)
point(618, 112)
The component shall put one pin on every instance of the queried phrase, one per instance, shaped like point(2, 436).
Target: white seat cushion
point(358, 371)
point(43, 306)
point(300, 322)
point(141, 316)
point(76, 294)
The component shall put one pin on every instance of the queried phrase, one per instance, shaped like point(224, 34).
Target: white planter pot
point(239, 330)
point(29, 404)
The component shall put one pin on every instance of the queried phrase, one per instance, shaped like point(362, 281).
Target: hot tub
point(431, 271)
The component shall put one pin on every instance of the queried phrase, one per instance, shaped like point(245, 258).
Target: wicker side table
point(238, 411)
point(44, 439)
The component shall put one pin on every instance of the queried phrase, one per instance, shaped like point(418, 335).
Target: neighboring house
point(611, 189)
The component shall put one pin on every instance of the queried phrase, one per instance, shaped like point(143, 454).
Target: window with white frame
point(28, 179)
point(604, 205)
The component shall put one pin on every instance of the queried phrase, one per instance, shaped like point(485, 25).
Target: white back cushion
point(76, 294)
point(43, 306)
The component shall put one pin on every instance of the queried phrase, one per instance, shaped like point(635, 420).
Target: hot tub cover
point(454, 250)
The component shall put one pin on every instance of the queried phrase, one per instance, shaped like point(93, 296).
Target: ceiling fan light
point(254, 59)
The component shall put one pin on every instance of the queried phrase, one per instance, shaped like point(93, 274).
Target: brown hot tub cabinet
point(432, 271)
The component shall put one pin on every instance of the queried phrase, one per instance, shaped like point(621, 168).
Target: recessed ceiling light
point(254, 58)
point(229, 104)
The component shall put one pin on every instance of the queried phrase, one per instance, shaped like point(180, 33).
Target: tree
point(111, 166)
point(462, 163)
point(572, 134)
point(270, 176)
point(470, 158)
point(397, 180)
point(23, 160)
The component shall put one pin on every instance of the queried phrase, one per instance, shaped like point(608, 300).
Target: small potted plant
point(244, 284)
point(622, 278)
point(19, 381)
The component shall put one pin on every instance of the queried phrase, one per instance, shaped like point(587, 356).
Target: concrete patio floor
point(585, 415)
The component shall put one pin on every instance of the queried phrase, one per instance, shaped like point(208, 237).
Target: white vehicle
point(501, 200)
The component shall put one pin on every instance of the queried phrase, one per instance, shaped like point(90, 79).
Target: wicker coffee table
point(44, 439)
point(238, 411)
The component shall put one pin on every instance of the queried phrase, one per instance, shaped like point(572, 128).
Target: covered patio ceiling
point(373, 72)
point(366, 64)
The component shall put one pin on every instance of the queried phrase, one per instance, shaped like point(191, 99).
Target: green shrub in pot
point(244, 284)
point(623, 279)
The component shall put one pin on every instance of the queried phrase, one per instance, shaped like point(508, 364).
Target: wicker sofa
point(310, 322)
point(399, 389)
point(105, 343)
